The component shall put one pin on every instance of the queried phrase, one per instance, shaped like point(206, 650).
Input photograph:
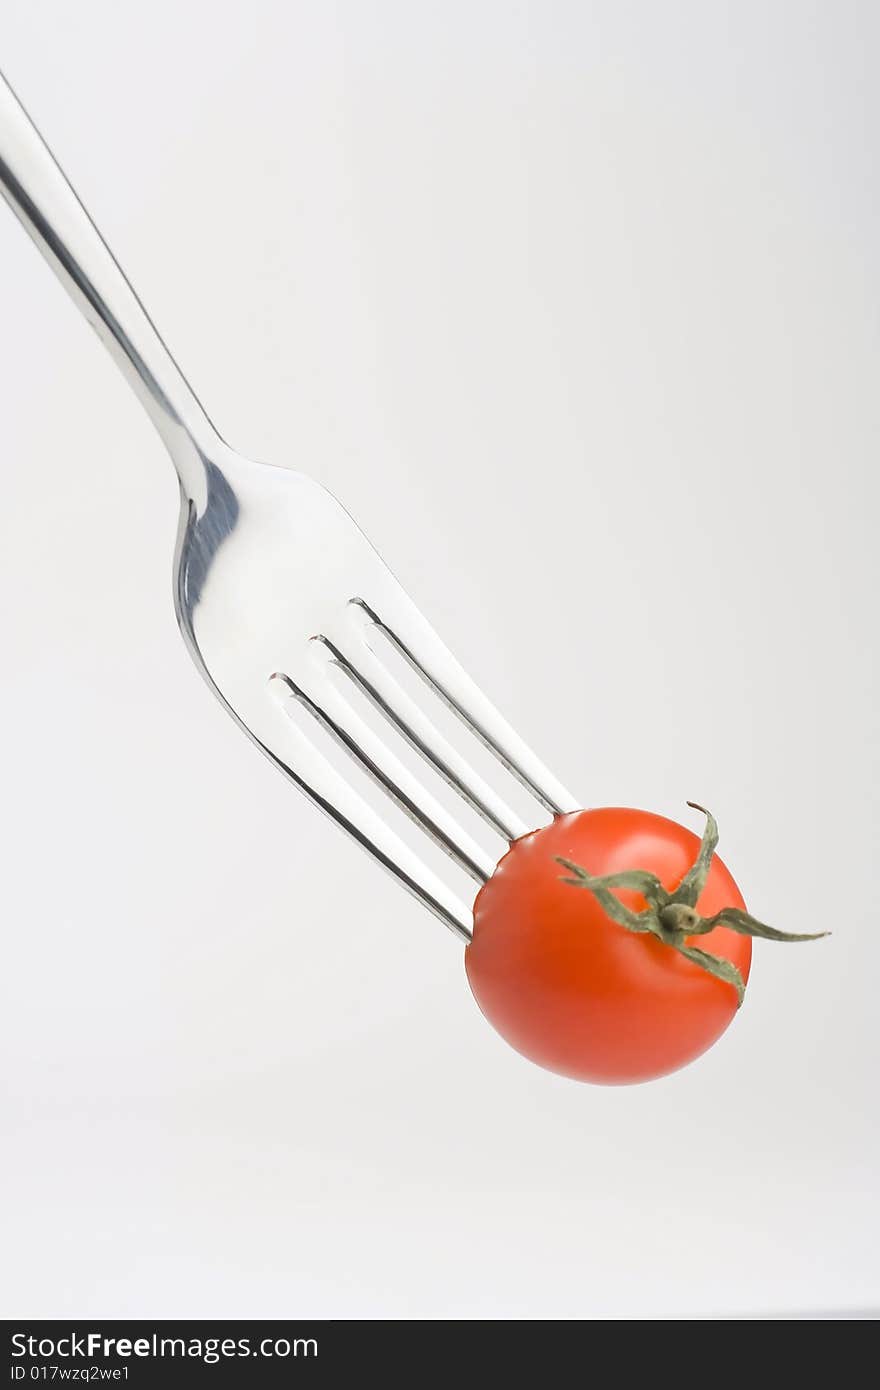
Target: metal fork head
point(267, 560)
point(297, 625)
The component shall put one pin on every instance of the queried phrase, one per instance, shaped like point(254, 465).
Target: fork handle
point(53, 216)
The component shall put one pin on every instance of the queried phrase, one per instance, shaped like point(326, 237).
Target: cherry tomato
point(576, 992)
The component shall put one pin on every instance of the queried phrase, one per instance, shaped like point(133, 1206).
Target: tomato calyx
point(672, 916)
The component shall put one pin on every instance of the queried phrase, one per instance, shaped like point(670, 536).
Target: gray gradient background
point(576, 307)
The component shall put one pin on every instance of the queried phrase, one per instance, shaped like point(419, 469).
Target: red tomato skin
point(579, 994)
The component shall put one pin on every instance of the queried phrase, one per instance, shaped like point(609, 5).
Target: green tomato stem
point(672, 916)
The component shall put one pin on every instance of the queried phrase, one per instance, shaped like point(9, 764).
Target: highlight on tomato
point(613, 945)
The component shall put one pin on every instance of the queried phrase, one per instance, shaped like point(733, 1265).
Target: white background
point(576, 307)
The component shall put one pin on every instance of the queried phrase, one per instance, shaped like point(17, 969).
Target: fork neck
point(40, 196)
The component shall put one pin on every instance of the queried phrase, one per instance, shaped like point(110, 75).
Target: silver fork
point(287, 610)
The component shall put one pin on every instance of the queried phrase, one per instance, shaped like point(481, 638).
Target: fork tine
point(332, 794)
point(437, 667)
point(391, 700)
point(357, 739)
